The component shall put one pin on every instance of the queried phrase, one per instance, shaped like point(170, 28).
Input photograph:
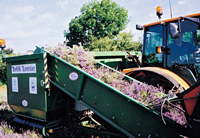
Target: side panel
point(26, 95)
point(123, 113)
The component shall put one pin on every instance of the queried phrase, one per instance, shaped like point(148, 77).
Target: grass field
point(3, 94)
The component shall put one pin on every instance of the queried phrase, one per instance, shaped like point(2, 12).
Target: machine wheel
point(152, 78)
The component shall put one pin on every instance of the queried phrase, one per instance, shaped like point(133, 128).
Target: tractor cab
point(160, 40)
point(170, 46)
point(173, 45)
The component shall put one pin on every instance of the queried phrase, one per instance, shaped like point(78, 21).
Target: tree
point(102, 44)
point(8, 51)
point(3, 76)
point(98, 19)
point(122, 42)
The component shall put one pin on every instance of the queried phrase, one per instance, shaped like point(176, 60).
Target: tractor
point(172, 66)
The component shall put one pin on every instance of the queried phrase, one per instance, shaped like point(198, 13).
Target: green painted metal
point(114, 53)
point(115, 59)
point(121, 111)
point(18, 86)
point(80, 87)
point(40, 105)
point(2, 55)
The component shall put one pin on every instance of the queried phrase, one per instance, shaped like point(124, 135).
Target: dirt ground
point(3, 89)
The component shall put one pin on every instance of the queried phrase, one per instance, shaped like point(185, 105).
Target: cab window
point(153, 38)
point(183, 48)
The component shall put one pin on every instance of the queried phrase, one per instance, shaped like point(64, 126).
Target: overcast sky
point(25, 24)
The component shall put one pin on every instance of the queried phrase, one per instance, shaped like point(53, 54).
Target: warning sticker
point(73, 76)
point(33, 85)
point(24, 103)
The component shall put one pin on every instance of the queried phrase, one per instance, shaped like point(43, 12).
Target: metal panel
point(123, 112)
point(25, 89)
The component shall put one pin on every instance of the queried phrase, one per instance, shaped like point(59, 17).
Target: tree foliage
point(8, 51)
point(98, 19)
point(123, 41)
point(3, 76)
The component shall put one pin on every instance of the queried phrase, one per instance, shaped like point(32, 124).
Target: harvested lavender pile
point(147, 95)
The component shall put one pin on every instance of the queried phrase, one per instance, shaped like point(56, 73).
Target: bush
point(3, 79)
point(123, 42)
point(3, 76)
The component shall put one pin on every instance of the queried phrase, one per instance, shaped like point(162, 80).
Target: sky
point(25, 24)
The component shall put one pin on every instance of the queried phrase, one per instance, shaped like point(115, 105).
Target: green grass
point(3, 96)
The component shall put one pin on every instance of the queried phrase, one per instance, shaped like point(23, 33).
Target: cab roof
point(170, 20)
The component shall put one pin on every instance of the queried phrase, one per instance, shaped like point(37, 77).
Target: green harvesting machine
point(53, 96)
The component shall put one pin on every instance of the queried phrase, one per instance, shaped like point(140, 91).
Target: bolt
point(113, 117)
point(138, 124)
point(122, 113)
point(108, 104)
point(81, 96)
point(139, 135)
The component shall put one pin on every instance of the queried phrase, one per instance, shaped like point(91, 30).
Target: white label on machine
point(23, 68)
point(73, 76)
point(33, 85)
point(15, 84)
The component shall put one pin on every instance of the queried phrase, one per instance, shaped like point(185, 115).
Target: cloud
point(27, 21)
point(45, 17)
point(69, 3)
point(181, 2)
point(19, 10)
point(63, 3)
